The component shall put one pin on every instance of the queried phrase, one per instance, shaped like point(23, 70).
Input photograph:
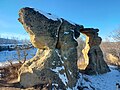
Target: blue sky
point(102, 14)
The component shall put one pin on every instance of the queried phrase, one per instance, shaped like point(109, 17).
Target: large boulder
point(96, 64)
point(55, 62)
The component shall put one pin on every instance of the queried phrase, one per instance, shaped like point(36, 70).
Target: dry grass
point(10, 72)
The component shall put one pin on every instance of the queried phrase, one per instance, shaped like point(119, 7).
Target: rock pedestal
point(96, 65)
point(55, 62)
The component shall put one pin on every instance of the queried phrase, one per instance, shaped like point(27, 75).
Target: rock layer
point(55, 62)
point(96, 65)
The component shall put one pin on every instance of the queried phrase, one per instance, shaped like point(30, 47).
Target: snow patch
point(64, 79)
point(12, 55)
point(54, 84)
point(82, 83)
point(65, 33)
point(106, 81)
point(71, 22)
point(49, 15)
point(59, 55)
point(70, 72)
point(65, 58)
point(73, 35)
point(57, 69)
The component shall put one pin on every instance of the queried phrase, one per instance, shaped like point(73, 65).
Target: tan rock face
point(112, 59)
point(86, 49)
point(96, 65)
point(55, 62)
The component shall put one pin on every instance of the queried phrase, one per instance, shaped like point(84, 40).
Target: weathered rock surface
point(112, 59)
point(55, 62)
point(96, 65)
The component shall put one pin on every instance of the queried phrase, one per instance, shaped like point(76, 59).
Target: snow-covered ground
point(12, 55)
point(106, 81)
point(100, 82)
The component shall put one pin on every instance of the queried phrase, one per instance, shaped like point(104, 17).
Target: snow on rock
point(59, 55)
point(73, 35)
point(71, 22)
point(49, 15)
point(63, 77)
point(57, 69)
point(65, 58)
point(66, 33)
point(53, 17)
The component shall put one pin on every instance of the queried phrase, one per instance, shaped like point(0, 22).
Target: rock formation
point(55, 62)
point(96, 65)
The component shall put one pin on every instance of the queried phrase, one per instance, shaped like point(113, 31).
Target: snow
point(57, 69)
point(49, 15)
point(54, 84)
point(70, 72)
point(7, 63)
point(65, 58)
point(59, 55)
point(12, 55)
point(53, 17)
point(66, 33)
point(106, 81)
point(74, 35)
point(71, 22)
point(81, 82)
point(63, 77)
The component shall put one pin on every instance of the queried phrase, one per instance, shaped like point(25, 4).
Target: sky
point(101, 14)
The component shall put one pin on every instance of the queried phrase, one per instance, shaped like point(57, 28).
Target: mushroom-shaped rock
point(94, 54)
point(55, 62)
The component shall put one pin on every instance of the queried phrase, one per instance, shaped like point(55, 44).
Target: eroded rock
point(96, 64)
point(55, 62)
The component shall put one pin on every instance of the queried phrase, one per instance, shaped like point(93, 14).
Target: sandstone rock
point(112, 59)
point(56, 59)
point(96, 65)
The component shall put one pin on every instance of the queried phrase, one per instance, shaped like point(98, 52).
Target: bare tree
point(115, 35)
point(112, 46)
